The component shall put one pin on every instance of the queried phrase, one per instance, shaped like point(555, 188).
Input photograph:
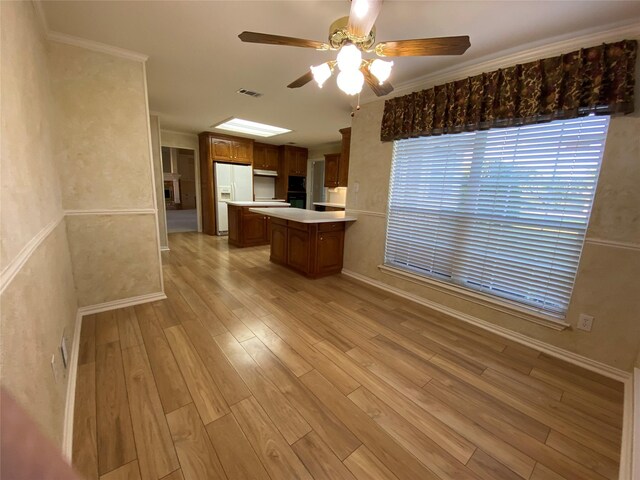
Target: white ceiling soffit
point(197, 63)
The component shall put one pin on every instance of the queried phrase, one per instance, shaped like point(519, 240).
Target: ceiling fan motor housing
point(339, 35)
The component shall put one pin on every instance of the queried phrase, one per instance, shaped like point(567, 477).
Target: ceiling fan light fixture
point(321, 73)
point(360, 7)
point(380, 69)
point(350, 81)
point(349, 58)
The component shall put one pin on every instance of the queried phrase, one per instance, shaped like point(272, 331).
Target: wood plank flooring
point(249, 371)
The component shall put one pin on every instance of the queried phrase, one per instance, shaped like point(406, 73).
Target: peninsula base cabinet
point(247, 229)
point(313, 249)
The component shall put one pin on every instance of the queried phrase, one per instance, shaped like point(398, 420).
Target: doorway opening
point(179, 177)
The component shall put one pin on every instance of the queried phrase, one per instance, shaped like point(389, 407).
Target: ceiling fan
point(354, 35)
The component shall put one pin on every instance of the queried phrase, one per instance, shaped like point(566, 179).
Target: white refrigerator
point(233, 183)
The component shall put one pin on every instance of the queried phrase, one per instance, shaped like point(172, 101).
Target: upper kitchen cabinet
point(295, 160)
point(336, 165)
point(343, 166)
point(226, 149)
point(331, 170)
point(265, 157)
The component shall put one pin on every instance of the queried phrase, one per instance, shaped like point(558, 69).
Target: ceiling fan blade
point(255, 37)
point(380, 90)
point(302, 81)
point(362, 16)
point(424, 46)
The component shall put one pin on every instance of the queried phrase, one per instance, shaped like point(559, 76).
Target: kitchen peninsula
point(248, 229)
point(309, 242)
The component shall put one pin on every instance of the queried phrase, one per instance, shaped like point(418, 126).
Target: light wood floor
point(249, 371)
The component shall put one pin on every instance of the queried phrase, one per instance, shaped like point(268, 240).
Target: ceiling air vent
point(249, 93)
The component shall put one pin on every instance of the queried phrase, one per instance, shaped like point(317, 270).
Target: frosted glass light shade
point(321, 73)
point(349, 58)
point(380, 69)
point(350, 81)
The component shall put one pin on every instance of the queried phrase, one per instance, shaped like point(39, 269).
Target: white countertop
point(272, 203)
point(304, 216)
point(327, 204)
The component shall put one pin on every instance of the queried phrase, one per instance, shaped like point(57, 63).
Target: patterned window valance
point(596, 80)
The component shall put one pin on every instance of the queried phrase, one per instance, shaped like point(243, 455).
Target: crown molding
point(513, 56)
point(176, 132)
point(96, 46)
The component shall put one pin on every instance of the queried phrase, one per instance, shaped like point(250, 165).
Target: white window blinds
point(502, 211)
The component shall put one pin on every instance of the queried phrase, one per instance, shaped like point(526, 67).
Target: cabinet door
point(291, 164)
point(331, 170)
point(221, 149)
point(343, 170)
point(329, 252)
point(270, 159)
point(243, 152)
point(254, 229)
point(278, 243)
point(298, 249)
point(259, 159)
point(301, 162)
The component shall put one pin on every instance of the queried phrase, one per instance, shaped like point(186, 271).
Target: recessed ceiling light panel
point(250, 128)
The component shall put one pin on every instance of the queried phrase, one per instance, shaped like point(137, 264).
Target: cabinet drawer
point(331, 227)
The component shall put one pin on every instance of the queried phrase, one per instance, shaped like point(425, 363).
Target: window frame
point(483, 297)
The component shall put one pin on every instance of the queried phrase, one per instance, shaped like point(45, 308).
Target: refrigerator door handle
point(233, 191)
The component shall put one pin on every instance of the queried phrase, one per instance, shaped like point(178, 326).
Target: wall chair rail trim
point(115, 211)
point(15, 265)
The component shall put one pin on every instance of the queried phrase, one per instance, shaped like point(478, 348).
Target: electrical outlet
point(585, 322)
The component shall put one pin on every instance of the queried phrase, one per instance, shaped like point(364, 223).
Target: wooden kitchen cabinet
point(293, 163)
point(226, 148)
point(313, 249)
point(331, 170)
point(279, 243)
point(247, 229)
point(215, 147)
point(265, 157)
point(336, 165)
point(295, 160)
point(343, 170)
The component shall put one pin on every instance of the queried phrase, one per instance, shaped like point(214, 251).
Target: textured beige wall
point(30, 190)
point(39, 304)
point(38, 307)
point(104, 152)
point(158, 180)
point(113, 256)
point(103, 140)
point(608, 280)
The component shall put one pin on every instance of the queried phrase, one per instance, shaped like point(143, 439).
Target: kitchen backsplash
point(264, 187)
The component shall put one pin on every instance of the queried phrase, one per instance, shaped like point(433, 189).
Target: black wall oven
point(297, 199)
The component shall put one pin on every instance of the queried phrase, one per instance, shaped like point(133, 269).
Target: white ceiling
point(196, 62)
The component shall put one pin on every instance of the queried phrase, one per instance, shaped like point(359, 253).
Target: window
point(501, 211)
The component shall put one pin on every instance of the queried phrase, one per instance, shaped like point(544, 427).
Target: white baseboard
point(67, 436)
point(125, 302)
point(67, 433)
point(562, 354)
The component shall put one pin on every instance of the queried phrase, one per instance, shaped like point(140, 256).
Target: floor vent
point(249, 93)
